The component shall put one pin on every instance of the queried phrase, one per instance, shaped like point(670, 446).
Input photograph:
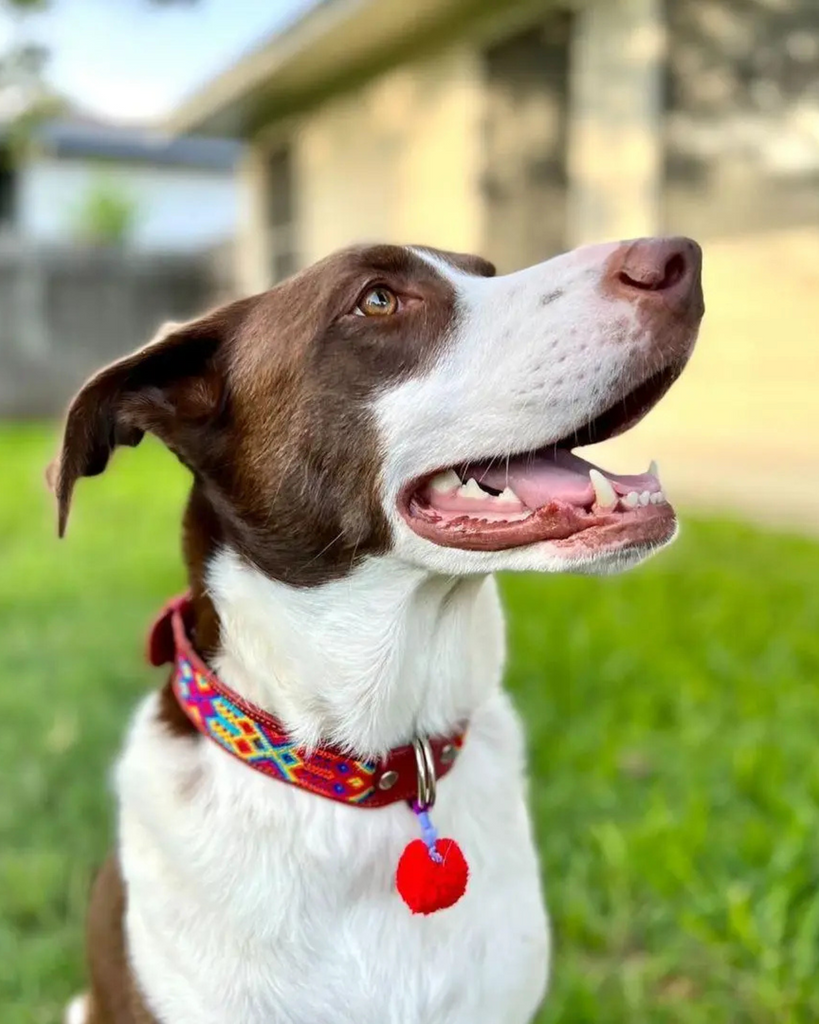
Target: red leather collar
point(249, 733)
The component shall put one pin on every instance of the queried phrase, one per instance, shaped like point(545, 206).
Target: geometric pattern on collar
point(256, 738)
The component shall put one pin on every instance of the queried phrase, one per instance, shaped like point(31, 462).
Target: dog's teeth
point(603, 491)
point(447, 481)
point(632, 499)
point(507, 495)
point(657, 498)
point(471, 489)
point(645, 497)
point(654, 470)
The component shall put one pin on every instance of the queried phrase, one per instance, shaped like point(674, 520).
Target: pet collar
point(432, 872)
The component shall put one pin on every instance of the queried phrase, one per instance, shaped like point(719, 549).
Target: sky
point(129, 60)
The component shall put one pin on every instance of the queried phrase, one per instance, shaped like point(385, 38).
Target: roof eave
point(222, 102)
point(336, 42)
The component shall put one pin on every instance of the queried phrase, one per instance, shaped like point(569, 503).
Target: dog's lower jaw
point(544, 556)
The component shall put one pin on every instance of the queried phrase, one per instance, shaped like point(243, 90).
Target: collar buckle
point(427, 779)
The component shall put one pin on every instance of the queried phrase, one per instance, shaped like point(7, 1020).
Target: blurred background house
point(106, 231)
point(522, 129)
point(81, 179)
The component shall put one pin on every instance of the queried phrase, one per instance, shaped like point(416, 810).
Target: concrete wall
point(66, 312)
point(177, 210)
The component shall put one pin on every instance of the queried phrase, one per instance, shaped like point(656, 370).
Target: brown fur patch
point(171, 715)
point(115, 997)
point(266, 401)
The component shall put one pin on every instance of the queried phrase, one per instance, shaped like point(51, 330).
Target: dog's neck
point(365, 662)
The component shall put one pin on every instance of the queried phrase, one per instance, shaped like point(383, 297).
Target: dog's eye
point(378, 301)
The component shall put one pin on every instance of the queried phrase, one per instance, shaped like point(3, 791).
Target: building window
point(525, 143)
point(281, 213)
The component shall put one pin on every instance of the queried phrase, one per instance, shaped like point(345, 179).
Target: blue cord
point(429, 833)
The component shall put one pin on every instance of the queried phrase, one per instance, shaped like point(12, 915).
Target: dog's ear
point(173, 388)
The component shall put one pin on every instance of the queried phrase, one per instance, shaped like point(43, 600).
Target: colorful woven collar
point(407, 773)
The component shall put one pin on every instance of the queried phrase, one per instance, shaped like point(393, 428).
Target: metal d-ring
point(425, 763)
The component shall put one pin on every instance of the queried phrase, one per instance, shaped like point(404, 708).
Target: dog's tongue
point(555, 475)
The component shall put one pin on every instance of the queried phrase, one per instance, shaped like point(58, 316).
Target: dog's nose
point(665, 271)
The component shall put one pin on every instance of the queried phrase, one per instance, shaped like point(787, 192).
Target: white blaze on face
point(532, 356)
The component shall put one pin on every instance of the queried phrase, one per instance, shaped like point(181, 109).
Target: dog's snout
point(667, 270)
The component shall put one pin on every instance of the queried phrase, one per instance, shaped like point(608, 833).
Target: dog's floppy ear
point(172, 387)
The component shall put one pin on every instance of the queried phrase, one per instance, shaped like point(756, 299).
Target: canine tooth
point(645, 497)
point(603, 491)
point(654, 469)
point(471, 489)
point(632, 499)
point(447, 481)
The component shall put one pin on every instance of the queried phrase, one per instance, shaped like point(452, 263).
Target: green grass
point(673, 721)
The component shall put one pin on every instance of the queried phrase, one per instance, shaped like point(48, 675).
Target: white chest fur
point(255, 903)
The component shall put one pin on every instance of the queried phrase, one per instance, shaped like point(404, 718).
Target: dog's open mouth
point(549, 494)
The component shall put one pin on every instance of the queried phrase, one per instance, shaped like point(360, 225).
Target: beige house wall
point(253, 251)
point(739, 429)
point(397, 160)
point(615, 158)
point(401, 160)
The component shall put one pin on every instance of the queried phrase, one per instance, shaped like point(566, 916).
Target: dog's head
point(406, 402)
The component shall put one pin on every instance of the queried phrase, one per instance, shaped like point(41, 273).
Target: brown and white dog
point(369, 441)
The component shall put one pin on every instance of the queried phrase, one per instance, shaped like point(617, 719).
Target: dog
point(369, 442)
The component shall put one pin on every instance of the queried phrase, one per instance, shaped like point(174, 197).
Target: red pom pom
point(427, 885)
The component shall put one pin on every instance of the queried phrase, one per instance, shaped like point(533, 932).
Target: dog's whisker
point(323, 551)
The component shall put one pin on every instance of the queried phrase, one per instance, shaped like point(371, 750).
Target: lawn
point(673, 722)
